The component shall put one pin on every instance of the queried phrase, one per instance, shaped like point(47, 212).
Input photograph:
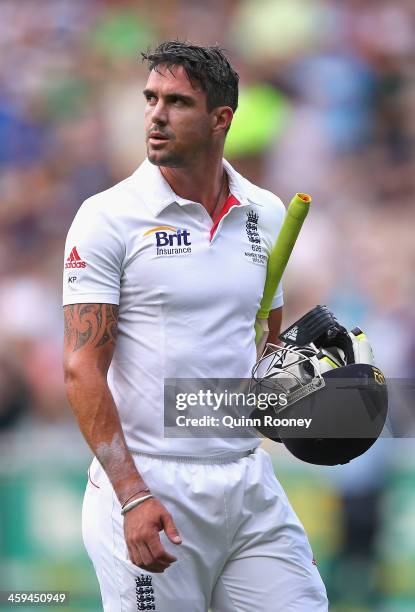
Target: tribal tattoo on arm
point(90, 325)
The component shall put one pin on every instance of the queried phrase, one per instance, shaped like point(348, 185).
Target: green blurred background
point(326, 107)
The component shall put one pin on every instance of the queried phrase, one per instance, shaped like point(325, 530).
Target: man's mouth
point(157, 136)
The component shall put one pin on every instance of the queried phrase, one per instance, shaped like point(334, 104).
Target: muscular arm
point(90, 335)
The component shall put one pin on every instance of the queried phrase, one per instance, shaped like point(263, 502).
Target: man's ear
point(222, 118)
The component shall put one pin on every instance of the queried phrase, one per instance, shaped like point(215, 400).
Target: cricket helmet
point(330, 381)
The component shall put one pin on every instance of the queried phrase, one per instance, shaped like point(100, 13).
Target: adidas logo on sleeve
point(74, 260)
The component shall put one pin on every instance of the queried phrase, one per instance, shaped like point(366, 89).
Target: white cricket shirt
point(188, 293)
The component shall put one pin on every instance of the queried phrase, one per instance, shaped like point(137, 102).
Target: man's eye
point(150, 99)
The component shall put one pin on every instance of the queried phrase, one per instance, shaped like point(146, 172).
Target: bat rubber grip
point(280, 254)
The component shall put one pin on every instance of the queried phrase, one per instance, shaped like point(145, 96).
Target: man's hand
point(274, 325)
point(141, 529)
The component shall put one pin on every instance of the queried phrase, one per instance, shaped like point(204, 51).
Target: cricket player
point(163, 277)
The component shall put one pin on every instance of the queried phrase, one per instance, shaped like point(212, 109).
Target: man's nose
point(159, 114)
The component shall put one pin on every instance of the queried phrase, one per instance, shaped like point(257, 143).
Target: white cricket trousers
point(243, 550)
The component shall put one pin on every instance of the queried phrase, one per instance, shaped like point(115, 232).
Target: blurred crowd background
point(327, 95)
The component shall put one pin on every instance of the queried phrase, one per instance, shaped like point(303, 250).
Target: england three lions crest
point(255, 253)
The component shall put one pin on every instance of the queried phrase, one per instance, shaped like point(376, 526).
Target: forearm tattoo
point(90, 324)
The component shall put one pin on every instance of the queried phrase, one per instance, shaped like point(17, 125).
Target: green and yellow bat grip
point(280, 254)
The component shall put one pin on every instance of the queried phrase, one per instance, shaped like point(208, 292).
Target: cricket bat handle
point(279, 256)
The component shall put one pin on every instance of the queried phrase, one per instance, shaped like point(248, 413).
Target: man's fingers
point(134, 555)
point(159, 553)
point(148, 561)
point(145, 554)
point(170, 528)
point(141, 531)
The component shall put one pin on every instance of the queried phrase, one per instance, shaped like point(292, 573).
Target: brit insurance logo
point(170, 240)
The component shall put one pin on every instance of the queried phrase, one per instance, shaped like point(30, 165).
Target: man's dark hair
point(207, 65)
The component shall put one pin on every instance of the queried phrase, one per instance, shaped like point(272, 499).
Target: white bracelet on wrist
point(135, 503)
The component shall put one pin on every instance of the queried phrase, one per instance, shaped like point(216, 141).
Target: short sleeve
point(94, 254)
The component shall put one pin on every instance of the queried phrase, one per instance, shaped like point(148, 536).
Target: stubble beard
point(161, 158)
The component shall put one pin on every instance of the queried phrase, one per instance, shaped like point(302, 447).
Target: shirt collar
point(158, 194)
